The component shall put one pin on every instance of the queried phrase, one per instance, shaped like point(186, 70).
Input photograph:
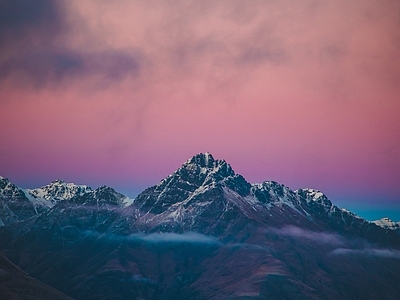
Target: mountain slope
point(16, 284)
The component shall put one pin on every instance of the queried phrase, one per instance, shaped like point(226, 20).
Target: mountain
point(49, 195)
point(192, 198)
point(386, 223)
point(102, 196)
point(18, 204)
point(14, 204)
point(204, 232)
point(57, 190)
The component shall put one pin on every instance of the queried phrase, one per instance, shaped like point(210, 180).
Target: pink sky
point(121, 93)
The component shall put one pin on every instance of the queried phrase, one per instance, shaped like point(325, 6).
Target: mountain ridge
point(202, 232)
point(197, 173)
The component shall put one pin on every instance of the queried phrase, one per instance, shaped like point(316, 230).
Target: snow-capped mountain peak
point(198, 176)
point(316, 196)
point(107, 195)
point(59, 190)
point(313, 195)
point(387, 224)
point(14, 204)
point(201, 170)
point(272, 192)
point(204, 163)
point(10, 190)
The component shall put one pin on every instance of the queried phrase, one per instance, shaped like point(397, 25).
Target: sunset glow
point(121, 93)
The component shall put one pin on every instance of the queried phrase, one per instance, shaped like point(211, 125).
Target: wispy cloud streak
point(369, 252)
point(160, 238)
point(318, 237)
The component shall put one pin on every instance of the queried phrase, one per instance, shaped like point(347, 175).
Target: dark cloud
point(41, 67)
point(20, 19)
point(15, 13)
point(34, 47)
point(55, 65)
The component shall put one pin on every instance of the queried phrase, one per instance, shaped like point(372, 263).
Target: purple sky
point(306, 93)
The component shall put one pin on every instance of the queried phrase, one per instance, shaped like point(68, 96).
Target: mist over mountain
point(203, 232)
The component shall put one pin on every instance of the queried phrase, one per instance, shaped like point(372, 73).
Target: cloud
point(171, 238)
point(266, 53)
point(158, 238)
point(216, 42)
point(139, 278)
point(336, 240)
point(55, 65)
point(26, 20)
point(35, 47)
point(370, 252)
point(166, 237)
point(319, 237)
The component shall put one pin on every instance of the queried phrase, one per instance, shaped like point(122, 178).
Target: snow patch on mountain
point(8, 190)
point(126, 201)
point(59, 190)
point(316, 196)
point(387, 223)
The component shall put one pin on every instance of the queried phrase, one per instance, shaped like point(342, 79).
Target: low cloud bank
point(370, 252)
point(163, 237)
point(367, 250)
point(189, 237)
point(319, 237)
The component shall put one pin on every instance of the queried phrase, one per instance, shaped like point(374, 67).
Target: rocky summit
point(203, 232)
